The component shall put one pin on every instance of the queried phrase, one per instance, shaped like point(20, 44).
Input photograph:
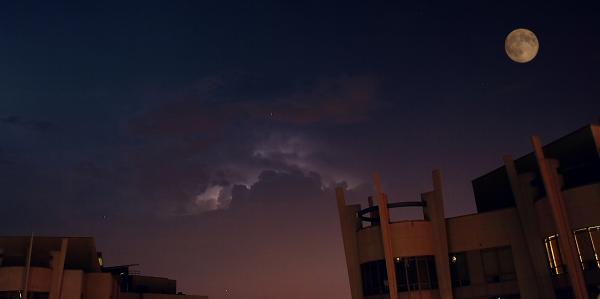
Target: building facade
point(71, 268)
point(536, 233)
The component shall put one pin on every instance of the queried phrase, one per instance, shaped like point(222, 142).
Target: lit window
point(587, 240)
point(595, 237)
point(554, 255)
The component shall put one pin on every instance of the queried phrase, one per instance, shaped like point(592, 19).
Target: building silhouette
point(536, 233)
point(71, 268)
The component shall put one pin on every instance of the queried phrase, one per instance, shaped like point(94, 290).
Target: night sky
point(203, 140)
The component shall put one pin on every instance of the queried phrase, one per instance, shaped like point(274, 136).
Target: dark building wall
point(579, 159)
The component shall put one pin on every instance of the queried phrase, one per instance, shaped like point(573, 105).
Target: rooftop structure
point(71, 268)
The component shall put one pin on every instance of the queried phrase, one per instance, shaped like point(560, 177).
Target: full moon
point(521, 45)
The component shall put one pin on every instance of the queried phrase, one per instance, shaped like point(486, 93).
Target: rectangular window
point(423, 272)
point(587, 250)
point(506, 262)
point(374, 278)
point(459, 269)
point(595, 237)
point(411, 270)
point(401, 278)
point(416, 273)
point(432, 271)
point(498, 264)
point(554, 255)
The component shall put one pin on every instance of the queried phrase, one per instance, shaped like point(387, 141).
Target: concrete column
point(349, 224)
point(559, 213)
point(434, 211)
point(386, 237)
point(58, 266)
point(27, 269)
point(536, 259)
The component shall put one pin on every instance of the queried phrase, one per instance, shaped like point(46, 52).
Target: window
point(416, 273)
point(459, 269)
point(554, 255)
point(374, 278)
point(587, 240)
point(498, 264)
point(595, 236)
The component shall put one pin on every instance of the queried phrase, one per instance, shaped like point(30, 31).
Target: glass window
point(507, 266)
point(432, 271)
point(411, 269)
point(586, 240)
point(401, 275)
point(498, 264)
point(554, 255)
point(423, 274)
point(585, 249)
point(595, 237)
point(416, 273)
point(459, 269)
point(374, 278)
point(490, 265)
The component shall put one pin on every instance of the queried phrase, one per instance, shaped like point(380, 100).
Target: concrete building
point(536, 233)
point(71, 268)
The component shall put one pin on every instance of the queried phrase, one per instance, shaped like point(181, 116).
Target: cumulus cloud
point(201, 149)
point(209, 199)
point(196, 152)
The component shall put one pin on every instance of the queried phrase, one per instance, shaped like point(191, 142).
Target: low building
point(536, 233)
point(71, 268)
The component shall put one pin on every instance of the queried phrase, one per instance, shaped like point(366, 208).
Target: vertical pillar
point(349, 224)
point(559, 213)
point(386, 237)
point(58, 266)
point(434, 211)
point(531, 235)
point(27, 268)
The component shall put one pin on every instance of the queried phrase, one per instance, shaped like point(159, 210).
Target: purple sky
point(203, 140)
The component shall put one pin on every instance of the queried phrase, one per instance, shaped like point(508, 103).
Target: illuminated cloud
point(209, 199)
point(202, 144)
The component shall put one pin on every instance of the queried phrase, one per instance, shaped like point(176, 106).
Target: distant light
point(20, 294)
point(454, 258)
point(397, 259)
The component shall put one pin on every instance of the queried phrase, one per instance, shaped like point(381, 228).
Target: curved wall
point(412, 238)
point(369, 244)
point(483, 230)
point(583, 208)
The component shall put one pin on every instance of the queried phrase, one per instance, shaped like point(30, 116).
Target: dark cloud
point(18, 121)
point(192, 150)
point(338, 100)
point(341, 100)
